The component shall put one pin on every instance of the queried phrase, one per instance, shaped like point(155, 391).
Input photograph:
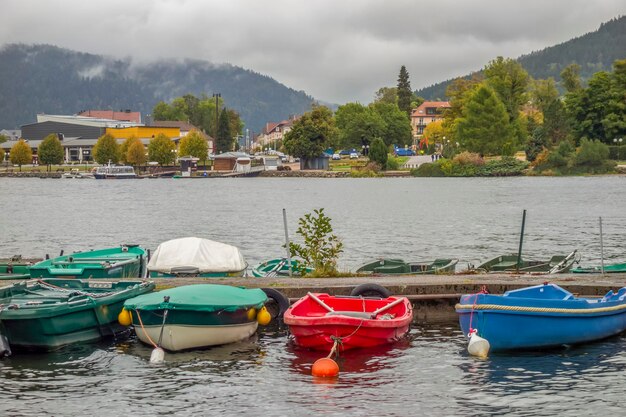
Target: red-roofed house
point(123, 115)
point(274, 132)
point(427, 112)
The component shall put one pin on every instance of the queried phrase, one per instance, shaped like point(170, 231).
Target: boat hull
point(55, 320)
point(312, 327)
point(399, 267)
point(277, 268)
point(177, 337)
point(159, 274)
point(112, 263)
point(523, 324)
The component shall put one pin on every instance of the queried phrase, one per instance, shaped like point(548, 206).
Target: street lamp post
point(217, 110)
point(618, 142)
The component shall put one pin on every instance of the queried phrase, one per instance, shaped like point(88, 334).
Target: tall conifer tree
point(404, 91)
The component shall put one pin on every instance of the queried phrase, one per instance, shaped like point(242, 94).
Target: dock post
point(521, 241)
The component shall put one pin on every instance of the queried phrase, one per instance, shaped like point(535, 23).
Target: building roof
point(184, 126)
point(232, 155)
point(421, 109)
point(122, 115)
point(85, 121)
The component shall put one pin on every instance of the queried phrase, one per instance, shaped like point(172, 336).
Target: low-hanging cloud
point(335, 50)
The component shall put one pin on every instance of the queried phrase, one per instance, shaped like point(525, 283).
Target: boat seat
point(357, 314)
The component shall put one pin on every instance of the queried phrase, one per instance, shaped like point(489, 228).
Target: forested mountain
point(594, 51)
point(47, 79)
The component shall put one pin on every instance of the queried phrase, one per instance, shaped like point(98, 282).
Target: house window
point(431, 110)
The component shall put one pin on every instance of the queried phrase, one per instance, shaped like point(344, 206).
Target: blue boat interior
point(544, 292)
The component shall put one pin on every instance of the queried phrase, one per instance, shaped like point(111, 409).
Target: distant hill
point(47, 79)
point(594, 51)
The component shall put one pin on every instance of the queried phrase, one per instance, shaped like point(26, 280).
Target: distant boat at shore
point(114, 172)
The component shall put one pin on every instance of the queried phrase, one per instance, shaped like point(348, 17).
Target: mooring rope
point(539, 309)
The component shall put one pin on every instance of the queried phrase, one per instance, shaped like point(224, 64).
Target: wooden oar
point(320, 302)
point(388, 306)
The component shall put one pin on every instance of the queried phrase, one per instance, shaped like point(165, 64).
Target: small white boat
point(114, 172)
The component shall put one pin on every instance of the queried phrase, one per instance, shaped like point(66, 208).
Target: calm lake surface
point(430, 373)
point(414, 219)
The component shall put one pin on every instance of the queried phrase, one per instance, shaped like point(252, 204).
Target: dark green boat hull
point(47, 320)
point(112, 263)
point(399, 267)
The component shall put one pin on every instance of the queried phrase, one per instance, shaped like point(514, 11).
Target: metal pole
point(287, 241)
point(601, 250)
point(521, 241)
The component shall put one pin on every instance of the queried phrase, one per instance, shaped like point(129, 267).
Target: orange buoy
point(325, 367)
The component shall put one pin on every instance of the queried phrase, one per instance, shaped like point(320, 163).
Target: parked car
point(354, 155)
point(336, 157)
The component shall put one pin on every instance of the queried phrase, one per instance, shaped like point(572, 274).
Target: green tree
point(536, 142)
point(136, 154)
point(3, 138)
point(193, 144)
point(358, 125)
point(484, 127)
point(387, 95)
point(544, 93)
point(50, 151)
point(555, 125)
point(2, 154)
point(458, 91)
point(592, 153)
point(614, 120)
point(162, 149)
point(125, 146)
point(404, 92)
point(106, 149)
point(509, 80)
point(321, 247)
point(588, 108)
point(224, 138)
point(21, 154)
point(397, 126)
point(378, 152)
point(311, 134)
point(570, 77)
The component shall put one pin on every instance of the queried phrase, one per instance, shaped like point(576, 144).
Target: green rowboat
point(48, 314)
point(279, 267)
point(608, 269)
point(389, 266)
point(509, 264)
point(195, 316)
point(16, 267)
point(126, 261)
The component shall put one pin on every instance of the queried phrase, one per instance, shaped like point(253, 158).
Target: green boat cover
point(201, 297)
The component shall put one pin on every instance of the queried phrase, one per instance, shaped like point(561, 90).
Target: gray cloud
point(335, 50)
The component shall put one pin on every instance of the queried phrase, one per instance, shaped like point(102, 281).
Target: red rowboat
point(317, 320)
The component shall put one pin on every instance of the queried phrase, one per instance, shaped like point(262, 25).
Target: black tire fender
point(281, 302)
point(370, 290)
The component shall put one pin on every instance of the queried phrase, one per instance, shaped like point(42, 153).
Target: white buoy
point(157, 355)
point(478, 346)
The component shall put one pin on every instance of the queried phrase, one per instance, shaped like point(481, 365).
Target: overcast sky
point(335, 50)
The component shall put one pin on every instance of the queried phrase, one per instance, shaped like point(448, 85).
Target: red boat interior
point(347, 306)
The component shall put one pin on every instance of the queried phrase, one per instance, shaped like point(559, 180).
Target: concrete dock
point(433, 296)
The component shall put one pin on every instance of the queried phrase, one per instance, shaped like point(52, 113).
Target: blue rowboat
point(541, 316)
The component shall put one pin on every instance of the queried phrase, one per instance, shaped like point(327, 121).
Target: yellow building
point(143, 132)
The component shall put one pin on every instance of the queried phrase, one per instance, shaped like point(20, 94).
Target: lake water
point(414, 219)
point(429, 373)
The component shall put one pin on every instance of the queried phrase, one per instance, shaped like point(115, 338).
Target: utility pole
point(217, 110)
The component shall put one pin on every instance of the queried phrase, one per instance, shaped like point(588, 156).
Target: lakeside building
point(79, 134)
point(273, 133)
point(426, 113)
